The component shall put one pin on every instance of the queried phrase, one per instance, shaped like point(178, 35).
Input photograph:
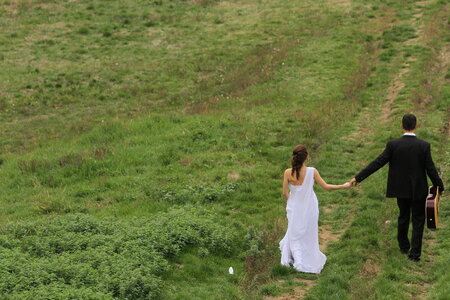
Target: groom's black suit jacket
point(409, 161)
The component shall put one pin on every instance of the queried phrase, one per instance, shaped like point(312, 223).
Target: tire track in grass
point(419, 285)
point(398, 83)
point(328, 233)
point(373, 266)
point(393, 91)
point(439, 288)
point(421, 290)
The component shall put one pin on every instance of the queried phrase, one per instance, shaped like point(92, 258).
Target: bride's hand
point(347, 185)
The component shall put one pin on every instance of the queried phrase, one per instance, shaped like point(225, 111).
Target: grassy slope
point(150, 144)
point(366, 262)
point(255, 78)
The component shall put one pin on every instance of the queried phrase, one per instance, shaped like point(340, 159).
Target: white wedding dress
point(300, 246)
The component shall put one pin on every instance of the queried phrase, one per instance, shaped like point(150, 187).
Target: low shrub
point(254, 243)
point(70, 256)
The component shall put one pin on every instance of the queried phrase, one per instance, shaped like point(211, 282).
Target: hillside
point(143, 144)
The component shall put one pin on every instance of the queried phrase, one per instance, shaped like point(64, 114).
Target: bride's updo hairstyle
point(299, 156)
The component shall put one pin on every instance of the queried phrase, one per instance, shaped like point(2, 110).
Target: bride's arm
point(329, 187)
point(285, 184)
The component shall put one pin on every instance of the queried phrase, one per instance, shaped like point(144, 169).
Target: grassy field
point(143, 144)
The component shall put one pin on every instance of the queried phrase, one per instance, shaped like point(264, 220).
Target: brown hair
point(299, 156)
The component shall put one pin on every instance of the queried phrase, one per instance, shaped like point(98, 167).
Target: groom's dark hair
point(409, 122)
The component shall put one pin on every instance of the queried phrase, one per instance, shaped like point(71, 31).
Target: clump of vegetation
point(270, 289)
point(76, 255)
point(388, 54)
point(254, 242)
point(197, 193)
point(399, 33)
point(83, 30)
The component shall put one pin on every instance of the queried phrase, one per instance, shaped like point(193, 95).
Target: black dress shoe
point(404, 251)
point(415, 259)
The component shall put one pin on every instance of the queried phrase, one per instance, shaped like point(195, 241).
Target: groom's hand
point(353, 181)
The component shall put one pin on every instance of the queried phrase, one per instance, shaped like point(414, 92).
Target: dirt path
point(396, 86)
point(397, 83)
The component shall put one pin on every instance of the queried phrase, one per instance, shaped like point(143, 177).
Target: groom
point(410, 162)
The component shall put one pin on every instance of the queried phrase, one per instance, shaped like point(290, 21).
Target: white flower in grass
point(231, 271)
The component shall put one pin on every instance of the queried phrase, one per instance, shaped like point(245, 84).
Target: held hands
point(349, 184)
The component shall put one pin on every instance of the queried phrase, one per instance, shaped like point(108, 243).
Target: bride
point(300, 246)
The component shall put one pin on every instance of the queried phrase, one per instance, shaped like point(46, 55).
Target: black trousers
point(416, 209)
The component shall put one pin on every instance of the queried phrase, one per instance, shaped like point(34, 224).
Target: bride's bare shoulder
point(288, 171)
point(316, 173)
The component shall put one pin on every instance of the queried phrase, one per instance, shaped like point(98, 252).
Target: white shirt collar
point(409, 134)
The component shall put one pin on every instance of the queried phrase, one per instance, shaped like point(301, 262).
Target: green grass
point(120, 110)
point(135, 154)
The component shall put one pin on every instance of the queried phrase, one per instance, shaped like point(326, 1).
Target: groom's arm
point(431, 169)
point(376, 164)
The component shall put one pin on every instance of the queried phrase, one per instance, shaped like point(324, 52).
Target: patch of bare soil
point(327, 210)
point(371, 268)
point(31, 119)
point(430, 245)
point(234, 175)
point(415, 294)
point(341, 3)
point(393, 90)
point(14, 7)
point(185, 162)
point(361, 126)
point(397, 83)
point(326, 235)
point(438, 70)
point(299, 291)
